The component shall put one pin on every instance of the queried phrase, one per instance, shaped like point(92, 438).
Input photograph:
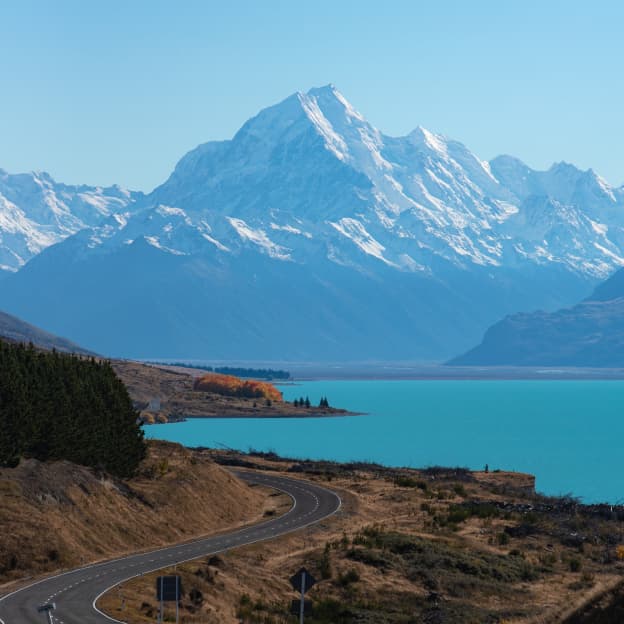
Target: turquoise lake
point(567, 433)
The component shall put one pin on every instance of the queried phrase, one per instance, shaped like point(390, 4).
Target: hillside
point(59, 515)
point(17, 330)
point(590, 334)
point(310, 235)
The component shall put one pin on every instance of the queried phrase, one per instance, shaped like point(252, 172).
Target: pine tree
point(59, 406)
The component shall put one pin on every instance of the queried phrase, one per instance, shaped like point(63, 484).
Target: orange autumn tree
point(228, 385)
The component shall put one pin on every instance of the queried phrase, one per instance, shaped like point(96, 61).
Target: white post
point(177, 598)
point(162, 603)
point(302, 604)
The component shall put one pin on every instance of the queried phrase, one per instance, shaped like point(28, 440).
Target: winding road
point(76, 592)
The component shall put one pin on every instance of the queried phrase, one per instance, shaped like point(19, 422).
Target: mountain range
point(589, 334)
point(309, 235)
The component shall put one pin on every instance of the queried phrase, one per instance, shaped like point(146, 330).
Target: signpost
point(168, 590)
point(295, 607)
point(47, 609)
point(302, 581)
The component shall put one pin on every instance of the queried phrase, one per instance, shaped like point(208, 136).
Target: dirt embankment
point(172, 390)
point(59, 515)
point(439, 546)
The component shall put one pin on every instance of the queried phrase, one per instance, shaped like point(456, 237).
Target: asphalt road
point(76, 592)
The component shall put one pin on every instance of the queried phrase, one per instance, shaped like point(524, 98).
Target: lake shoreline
point(566, 433)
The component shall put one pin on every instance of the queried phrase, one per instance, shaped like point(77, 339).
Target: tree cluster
point(59, 406)
point(306, 402)
point(248, 373)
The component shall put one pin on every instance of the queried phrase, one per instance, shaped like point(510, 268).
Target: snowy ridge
point(311, 176)
point(312, 164)
point(36, 212)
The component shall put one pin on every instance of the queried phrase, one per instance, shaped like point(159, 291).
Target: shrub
point(228, 385)
point(325, 568)
point(346, 578)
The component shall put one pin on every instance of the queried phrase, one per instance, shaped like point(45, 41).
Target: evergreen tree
point(59, 406)
point(307, 402)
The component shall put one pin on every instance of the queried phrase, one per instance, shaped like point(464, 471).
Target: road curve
point(77, 591)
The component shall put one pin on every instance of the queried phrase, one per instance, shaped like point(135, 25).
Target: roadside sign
point(295, 607)
point(302, 581)
point(168, 588)
point(47, 609)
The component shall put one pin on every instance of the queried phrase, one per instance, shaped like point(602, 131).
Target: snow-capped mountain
point(311, 234)
point(36, 212)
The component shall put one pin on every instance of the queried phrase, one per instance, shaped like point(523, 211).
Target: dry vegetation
point(436, 546)
point(59, 515)
point(174, 387)
point(229, 385)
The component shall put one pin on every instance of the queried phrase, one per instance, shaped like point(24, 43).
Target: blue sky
point(117, 92)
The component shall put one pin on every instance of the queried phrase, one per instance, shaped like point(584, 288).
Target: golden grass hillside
point(59, 515)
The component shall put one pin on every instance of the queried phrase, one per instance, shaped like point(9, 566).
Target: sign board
point(168, 588)
point(295, 607)
point(302, 581)
point(46, 607)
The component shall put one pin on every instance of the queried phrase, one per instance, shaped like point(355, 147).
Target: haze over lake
point(567, 433)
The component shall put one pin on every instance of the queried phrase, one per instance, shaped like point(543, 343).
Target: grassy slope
point(59, 515)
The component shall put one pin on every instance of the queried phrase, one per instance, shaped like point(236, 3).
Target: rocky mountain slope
point(17, 330)
point(312, 235)
point(589, 334)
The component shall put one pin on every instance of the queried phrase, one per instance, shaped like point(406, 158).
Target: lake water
point(568, 433)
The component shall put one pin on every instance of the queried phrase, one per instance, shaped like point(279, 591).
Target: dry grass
point(59, 515)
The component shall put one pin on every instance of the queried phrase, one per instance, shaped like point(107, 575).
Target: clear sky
point(117, 91)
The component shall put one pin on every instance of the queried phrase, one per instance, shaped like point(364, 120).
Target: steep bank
point(60, 515)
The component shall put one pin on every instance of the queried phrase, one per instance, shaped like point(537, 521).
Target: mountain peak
point(436, 142)
point(326, 90)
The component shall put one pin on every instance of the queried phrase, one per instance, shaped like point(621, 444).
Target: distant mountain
point(36, 212)
point(312, 235)
point(14, 329)
point(590, 334)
